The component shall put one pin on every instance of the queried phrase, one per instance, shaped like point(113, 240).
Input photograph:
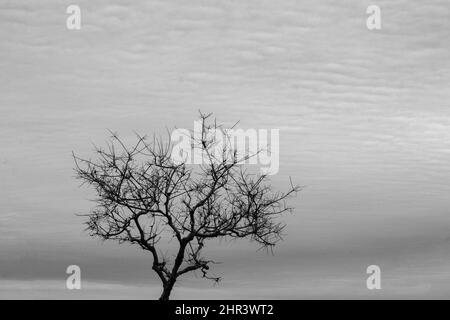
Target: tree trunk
point(167, 289)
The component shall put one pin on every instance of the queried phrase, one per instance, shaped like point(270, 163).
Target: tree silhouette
point(146, 198)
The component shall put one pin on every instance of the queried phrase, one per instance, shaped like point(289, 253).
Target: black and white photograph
point(224, 150)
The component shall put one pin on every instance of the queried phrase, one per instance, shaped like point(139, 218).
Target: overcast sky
point(364, 120)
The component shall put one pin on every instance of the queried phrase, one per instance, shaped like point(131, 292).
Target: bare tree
point(144, 196)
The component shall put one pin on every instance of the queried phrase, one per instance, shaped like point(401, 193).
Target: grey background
point(363, 116)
